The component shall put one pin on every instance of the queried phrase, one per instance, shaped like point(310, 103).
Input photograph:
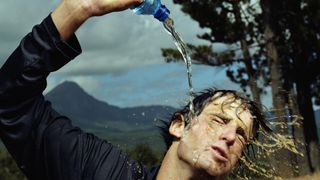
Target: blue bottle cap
point(162, 13)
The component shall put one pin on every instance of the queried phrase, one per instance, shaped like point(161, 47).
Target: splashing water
point(259, 164)
point(267, 145)
point(183, 49)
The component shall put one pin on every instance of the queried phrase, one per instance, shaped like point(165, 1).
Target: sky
point(121, 62)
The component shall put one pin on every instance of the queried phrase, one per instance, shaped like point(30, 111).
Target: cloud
point(90, 84)
point(17, 17)
point(121, 61)
point(112, 44)
point(164, 84)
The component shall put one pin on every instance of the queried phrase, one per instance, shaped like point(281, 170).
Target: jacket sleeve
point(44, 143)
point(24, 115)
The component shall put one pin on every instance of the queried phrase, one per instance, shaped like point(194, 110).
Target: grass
point(124, 126)
point(128, 140)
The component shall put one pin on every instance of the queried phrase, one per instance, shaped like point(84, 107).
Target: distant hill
point(105, 120)
point(71, 100)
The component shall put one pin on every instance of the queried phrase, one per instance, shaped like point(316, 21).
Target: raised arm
point(70, 14)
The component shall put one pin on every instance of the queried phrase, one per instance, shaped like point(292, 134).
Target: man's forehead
point(230, 108)
point(228, 111)
point(228, 101)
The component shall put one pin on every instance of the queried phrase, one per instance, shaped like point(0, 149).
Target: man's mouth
point(220, 154)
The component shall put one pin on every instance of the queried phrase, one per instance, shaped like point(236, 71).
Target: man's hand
point(101, 7)
point(70, 14)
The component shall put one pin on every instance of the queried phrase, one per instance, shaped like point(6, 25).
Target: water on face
point(267, 144)
point(183, 49)
point(258, 162)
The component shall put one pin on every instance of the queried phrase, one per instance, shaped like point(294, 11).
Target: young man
point(205, 144)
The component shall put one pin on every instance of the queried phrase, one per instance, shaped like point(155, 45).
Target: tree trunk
point(247, 58)
point(251, 73)
point(306, 109)
point(302, 51)
point(301, 163)
point(282, 157)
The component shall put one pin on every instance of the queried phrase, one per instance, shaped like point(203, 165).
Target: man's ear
point(177, 126)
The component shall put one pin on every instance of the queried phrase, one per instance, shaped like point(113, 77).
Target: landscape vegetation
point(275, 50)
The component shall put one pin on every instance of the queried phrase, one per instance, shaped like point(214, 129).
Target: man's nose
point(229, 134)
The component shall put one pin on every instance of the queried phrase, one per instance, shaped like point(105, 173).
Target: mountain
point(71, 100)
point(106, 120)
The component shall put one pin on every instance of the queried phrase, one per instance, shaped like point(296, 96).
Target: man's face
point(215, 139)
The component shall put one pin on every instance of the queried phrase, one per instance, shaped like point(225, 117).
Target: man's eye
point(241, 136)
point(219, 121)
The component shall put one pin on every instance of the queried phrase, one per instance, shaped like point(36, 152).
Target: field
point(128, 140)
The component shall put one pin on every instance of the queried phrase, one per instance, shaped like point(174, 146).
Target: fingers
point(120, 5)
point(135, 2)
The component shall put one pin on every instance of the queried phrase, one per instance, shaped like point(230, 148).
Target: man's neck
point(173, 168)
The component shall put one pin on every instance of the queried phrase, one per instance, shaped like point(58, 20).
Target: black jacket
point(44, 143)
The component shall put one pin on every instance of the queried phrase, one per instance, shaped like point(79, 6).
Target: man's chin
point(213, 168)
point(218, 173)
point(216, 169)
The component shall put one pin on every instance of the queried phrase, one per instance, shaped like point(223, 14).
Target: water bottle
point(152, 7)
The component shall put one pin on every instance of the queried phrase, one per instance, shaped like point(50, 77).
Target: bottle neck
point(162, 13)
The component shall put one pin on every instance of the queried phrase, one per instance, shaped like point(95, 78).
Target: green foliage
point(201, 54)
point(144, 154)
point(229, 22)
point(9, 169)
point(278, 44)
point(171, 55)
point(129, 140)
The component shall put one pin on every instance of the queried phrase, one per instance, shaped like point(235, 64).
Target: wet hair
point(204, 98)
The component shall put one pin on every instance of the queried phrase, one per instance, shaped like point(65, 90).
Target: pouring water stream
point(183, 49)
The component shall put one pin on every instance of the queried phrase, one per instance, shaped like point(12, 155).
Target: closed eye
point(218, 120)
point(242, 135)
